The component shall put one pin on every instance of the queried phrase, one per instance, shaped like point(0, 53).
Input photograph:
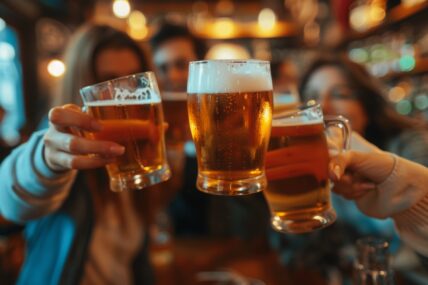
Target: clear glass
point(175, 112)
point(130, 111)
point(230, 113)
point(298, 193)
point(372, 266)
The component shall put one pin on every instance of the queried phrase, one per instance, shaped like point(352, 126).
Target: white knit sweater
point(404, 197)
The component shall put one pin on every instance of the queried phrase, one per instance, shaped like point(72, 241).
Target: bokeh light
point(404, 107)
point(407, 63)
point(266, 19)
point(7, 51)
point(396, 94)
point(136, 20)
point(121, 8)
point(228, 51)
point(224, 28)
point(138, 34)
point(56, 68)
point(421, 102)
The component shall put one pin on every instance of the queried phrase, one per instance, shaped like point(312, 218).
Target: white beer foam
point(105, 103)
point(142, 94)
point(296, 121)
point(221, 77)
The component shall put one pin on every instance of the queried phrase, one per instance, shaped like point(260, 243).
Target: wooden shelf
point(394, 17)
point(421, 67)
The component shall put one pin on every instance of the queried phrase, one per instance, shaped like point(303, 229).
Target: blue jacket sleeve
point(28, 188)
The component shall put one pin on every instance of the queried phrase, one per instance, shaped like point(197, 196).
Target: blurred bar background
point(389, 37)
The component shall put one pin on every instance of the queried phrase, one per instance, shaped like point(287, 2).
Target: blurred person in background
point(77, 230)
point(285, 78)
point(173, 47)
point(343, 87)
point(285, 74)
point(346, 88)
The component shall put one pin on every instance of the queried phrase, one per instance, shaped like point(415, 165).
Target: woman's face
point(111, 63)
point(330, 87)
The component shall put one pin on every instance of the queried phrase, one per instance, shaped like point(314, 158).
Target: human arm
point(36, 178)
point(400, 191)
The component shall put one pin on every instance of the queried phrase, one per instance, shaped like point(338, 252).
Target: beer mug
point(230, 113)
point(175, 112)
point(297, 164)
point(130, 112)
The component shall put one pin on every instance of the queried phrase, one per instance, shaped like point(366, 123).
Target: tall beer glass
point(130, 111)
point(297, 169)
point(175, 111)
point(230, 114)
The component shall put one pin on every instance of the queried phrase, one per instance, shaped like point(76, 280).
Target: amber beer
point(175, 113)
point(137, 127)
point(130, 112)
point(297, 171)
point(230, 129)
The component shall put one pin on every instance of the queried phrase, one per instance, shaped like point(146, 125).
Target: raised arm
point(399, 190)
point(36, 178)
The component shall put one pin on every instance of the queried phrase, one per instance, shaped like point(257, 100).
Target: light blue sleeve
point(28, 188)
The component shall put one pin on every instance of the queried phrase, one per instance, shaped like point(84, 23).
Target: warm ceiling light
point(56, 68)
point(411, 2)
point(366, 16)
point(224, 28)
point(121, 8)
point(227, 51)
point(136, 20)
point(267, 19)
point(138, 34)
point(377, 14)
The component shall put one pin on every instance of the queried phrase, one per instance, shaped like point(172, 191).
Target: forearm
point(404, 197)
point(28, 188)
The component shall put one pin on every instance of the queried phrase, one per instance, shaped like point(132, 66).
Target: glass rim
point(111, 81)
point(230, 61)
point(296, 112)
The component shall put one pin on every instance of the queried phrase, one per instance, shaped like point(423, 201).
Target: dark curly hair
point(168, 31)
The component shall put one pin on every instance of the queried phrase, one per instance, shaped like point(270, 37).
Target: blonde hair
point(82, 51)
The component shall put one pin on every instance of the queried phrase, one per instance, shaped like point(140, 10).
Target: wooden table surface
point(252, 259)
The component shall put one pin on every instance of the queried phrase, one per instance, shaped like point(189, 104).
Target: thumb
point(373, 166)
point(338, 165)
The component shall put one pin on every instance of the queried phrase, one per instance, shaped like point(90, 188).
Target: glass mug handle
point(341, 123)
